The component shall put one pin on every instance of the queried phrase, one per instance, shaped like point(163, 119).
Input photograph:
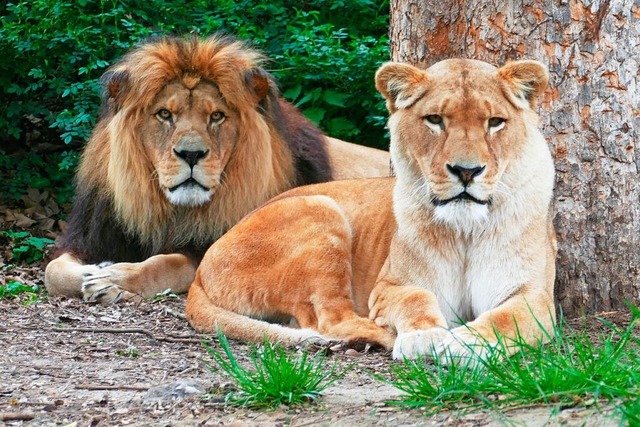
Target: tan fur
point(132, 161)
point(372, 260)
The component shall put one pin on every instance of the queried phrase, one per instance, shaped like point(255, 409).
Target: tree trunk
point(590, 116)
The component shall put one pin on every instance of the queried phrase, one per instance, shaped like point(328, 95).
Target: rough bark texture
point(590, 116)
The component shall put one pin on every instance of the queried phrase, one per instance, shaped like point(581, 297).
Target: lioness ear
point(401, 84)
point(259, 82)
point(525, 81)
point(115, 87)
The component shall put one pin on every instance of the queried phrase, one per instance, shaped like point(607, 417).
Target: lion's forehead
point(179, 95)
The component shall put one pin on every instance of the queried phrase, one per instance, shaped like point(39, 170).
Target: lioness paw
point(413, 344)
point(463, 346)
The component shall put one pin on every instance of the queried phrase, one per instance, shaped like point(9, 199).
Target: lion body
point(462, 234)
point(192, 137)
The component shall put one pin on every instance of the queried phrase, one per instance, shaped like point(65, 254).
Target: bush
point(324, 55)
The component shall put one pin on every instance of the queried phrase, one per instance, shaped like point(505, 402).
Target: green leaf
point(340, 125)
point(315, 114)
point(16, 235)
point(292, 93)
point(39, 242)
point(332, 97)
point(304, 100)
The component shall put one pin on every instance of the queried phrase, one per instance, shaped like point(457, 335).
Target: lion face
point(188, 133)
point(455, 129)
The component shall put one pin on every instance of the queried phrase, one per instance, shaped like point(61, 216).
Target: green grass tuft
point(279, 376)
point(572, 369)
point(461, 384)
point(631, 412)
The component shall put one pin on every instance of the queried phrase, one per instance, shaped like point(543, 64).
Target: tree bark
point(590, 116)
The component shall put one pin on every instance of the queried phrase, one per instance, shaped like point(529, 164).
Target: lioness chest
point(468, 274)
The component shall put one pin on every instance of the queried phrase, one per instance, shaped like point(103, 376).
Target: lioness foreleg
point(413, 312)
point(526, 316)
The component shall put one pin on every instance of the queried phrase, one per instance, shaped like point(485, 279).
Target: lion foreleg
point(65, 274)
point(115, 282)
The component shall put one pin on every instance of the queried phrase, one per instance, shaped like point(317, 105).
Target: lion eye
point(217, 117)
point(163, 114)
point(434, 119)
point(494, 122)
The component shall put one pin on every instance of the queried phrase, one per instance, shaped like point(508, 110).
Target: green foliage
point(439, 386)
point(54, 52)
point(26, 248)
point(572, 369)
point(631, 411)
point(27, 294)
point(164, 296)
point(51, 172)
point(278, 377)
point(324, 55)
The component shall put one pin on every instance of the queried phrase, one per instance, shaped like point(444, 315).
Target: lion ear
point(525, 81)
point(115, 86)
point(259, 81)
point(401, 84)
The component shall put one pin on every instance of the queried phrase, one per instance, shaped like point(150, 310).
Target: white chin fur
point(464, 216)
point(189, 196)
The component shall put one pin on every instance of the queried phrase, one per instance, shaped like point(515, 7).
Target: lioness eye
point(163, 114)
point(494, 122)
point(217, 117)
point(434, 119)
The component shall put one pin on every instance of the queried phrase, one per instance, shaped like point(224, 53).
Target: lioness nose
point(466, 175)
point(192, 157)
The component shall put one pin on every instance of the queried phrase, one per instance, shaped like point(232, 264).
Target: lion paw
point(100, 286)
point(413, 344)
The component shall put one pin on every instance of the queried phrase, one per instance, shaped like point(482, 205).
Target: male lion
point(192, 137)
point(463, 233)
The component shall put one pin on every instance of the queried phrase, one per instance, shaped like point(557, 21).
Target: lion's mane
point(120, 213)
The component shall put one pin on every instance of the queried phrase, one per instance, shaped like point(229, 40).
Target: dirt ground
point(65, 362)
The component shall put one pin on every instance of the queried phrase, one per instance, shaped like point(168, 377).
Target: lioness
point(192, 137)
point(463, 233)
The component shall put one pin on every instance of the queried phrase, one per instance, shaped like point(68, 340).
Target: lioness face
point(189, 133)
point(455, 128)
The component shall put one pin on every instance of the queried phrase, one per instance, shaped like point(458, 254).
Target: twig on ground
point(17, 416)
point(112, 387)
point(175, 313)
point(131, 331)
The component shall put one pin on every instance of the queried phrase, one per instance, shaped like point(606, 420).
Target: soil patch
point(66, 362)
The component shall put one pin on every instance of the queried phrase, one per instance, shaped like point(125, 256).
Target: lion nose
point(466, 175)
point(192, 157)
